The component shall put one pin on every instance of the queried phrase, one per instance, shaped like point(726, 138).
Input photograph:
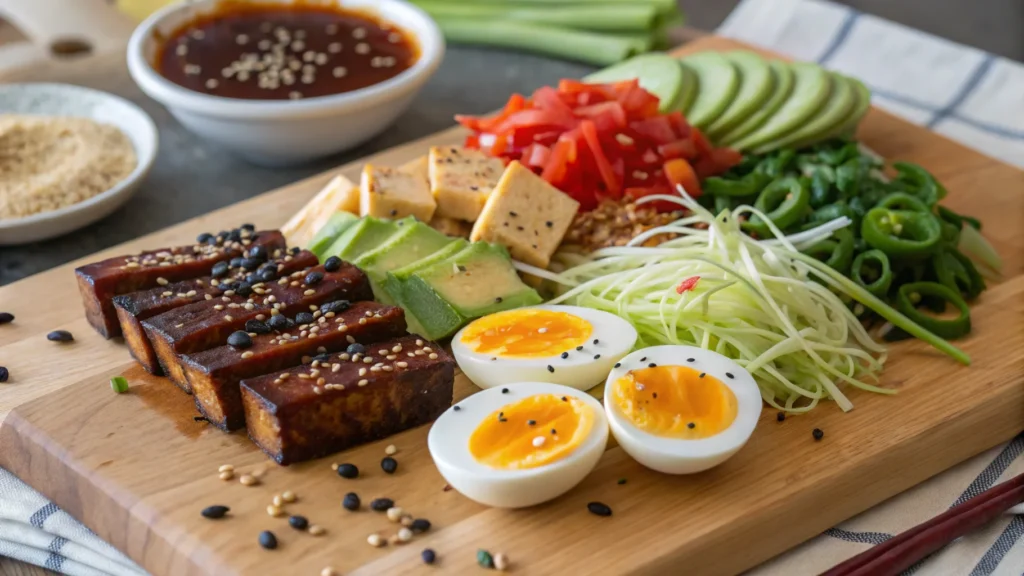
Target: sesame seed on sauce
point(272, 52)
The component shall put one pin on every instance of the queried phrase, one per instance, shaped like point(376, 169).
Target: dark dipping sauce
point(284, 51)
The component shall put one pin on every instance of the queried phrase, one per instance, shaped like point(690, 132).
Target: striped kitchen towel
point(34, 530)
point(963, 93)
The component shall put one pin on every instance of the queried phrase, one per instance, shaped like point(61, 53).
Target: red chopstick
point(908, 548)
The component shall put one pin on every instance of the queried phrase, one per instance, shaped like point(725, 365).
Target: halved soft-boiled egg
point(680, 409)
point(521, 445)
point(566, 345)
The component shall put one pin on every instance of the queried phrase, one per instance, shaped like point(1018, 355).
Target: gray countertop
point(193, 177)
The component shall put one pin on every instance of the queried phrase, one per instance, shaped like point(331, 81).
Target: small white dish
point(284, 132)
point(68, 100)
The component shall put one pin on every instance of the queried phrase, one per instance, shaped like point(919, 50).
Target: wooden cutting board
point(137, 469)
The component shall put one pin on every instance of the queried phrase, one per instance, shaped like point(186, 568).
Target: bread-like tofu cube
point(391, 193)
point(461, 180)
point(526, 215)
point(339, 195)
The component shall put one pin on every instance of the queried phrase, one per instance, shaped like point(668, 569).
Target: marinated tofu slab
point(318, 409)
point(99, 282)
point(214, 374)
point(133, 308)
point(207, 324)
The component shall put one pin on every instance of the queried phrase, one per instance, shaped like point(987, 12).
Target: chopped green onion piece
point(118, 384)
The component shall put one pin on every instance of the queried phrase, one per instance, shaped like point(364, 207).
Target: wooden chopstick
point(910, 547)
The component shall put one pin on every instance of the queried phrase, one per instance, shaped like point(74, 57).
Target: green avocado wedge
point(756, 83)
point(688, 93)
point(719, 80)
point(782, 87)
point(841, 101)
point(659, 74)
point(810, 92)
point(860, 108)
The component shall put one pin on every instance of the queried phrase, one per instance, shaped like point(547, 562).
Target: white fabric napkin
point(960, 92)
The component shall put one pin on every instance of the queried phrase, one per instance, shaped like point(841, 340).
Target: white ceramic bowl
point(283, 132)
point(67, 100)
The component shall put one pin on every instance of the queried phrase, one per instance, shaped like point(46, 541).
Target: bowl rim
point(143, 164)
point(422, 27)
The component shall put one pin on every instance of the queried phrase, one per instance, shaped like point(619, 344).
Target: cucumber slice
point(756, 84)
point(809, 94)
point(860, 108)
point(783, 80)
point(688, 93)
point(658, 73)
point(719, 81)
point(833, 113)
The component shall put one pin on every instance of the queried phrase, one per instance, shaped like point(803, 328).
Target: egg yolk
point(675, 401)
point(535, 431)
point(531, 333)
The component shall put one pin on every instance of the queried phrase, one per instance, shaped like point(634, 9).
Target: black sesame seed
point(258, 253)
point(644, 359)
point(652, 365)
point(268, 274)
point(599, 509)
point(701, 375)
point(220, 269)
point(236, 262)
point(382, 504)
point(248, 227)
point(204, 238)
point(394, 213)
point(60, 336)
point(304, 318)
point(618, 364)
point(729, 375)
point(512, 214)
point(780, 417)
point(389, 465)
point(621, 481)
point(349, 471)
point(531, 422)
point(338, 306)
point(298, 522)
point(215, 512)
point(691, 425)
point(295, 250)
point(579, 348)
point(456, 408)
point(551, 368)
point(691, 359)
point(4, 374)
point(549, 223)
point(253, 278)
point(257, 327)
point(268, 540)
point(597, 356)
point(243, 289)
point(223, 235)
point(553, 431)
point(818, 434)
point(565, 355)
point(240, 339)
point(325, 357)
point(654, 395)
point(428, 556)
point(314, 278)
point(351, 502)
point(497, 300)
point(519, 228)
point(279, 322)
point(504, 390)
point(235, 235)
point(356, 348)
point(564, 399)
point(420, 525)
point(596, 341)
point(251, 263)
point(332, 264)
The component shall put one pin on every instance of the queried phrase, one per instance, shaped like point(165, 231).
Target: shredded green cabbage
point(755, 302)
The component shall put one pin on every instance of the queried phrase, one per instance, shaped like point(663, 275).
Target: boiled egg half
point(680, 409)
point(566, 345)
point(520, 446)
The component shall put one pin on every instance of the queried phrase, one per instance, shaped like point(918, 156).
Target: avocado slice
point(477, 280)
point(687, 95)
point(756, 82)
point(325, 236)
point(392, 285)
point(811, 91)
point(406, 246)
point(365, 235)
point(782, 87)
point(659, 74)
point(841, 102)
point(719, 80)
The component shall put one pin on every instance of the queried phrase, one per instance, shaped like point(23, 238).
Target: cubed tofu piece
point(391, 193)
point(526, 215)
point(339, 195)
point(418, 167)
point(461, 180)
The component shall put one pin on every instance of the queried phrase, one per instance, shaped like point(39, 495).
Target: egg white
point(448, 442)
point(677, 455)
point(615, 336)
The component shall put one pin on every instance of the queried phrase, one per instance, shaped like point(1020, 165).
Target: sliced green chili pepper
point(909, 295)
point(848, 178)
point(875, 281)
point(958, 219)
point(950, 233)
point(836, 156)
point(776, 166)
point(831, 212)
point(903, 201)
point(749, 185)
point(902, 233)
point(977, 280)
point(836, 252)
point(950, 272)
point(784, 202)
point(924, 184)
point(822, 192)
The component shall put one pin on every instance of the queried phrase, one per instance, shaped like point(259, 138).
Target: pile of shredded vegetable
point(779, 313)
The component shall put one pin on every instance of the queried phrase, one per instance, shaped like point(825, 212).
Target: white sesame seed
point(331, 29)
point(227, 475)
point(359, 33)
point(242, 39)
point(198, 34)
point(391, 450)
point(538, 441)
point(339, 71)
point(193, 69)
point(320, 59)
point(363, 382)
point(181, 50)
point(334, 47)
point(263, 45)
point(226, 468)
point(501, 562)
point(375, 540)
point(247, 480)
point(432, 356)
point(308, 56)
point(328, 571)
point(362, 48)
point(315, 530)
point(309, 292)
point(247, 354)
point(394, 37)
point(274, 511)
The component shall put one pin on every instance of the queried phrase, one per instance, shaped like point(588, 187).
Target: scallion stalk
point(603, 18)
point(119, 384)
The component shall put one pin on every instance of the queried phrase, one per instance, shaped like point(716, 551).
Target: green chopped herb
point(484, 558)
point(119, 384)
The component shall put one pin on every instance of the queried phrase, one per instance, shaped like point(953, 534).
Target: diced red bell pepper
point(680, 173)
point(603, 165)
point(687, 285)
point(679, 149)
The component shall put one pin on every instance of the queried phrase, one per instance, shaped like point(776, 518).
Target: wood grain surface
point(137, 469)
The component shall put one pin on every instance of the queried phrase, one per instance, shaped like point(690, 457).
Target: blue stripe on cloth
point(965, 90)
point(841, 35)
point(55, 560)
point(991, 560)
point(994, 470)
point(1000, 131)
point(42, 514)
point(873, 538)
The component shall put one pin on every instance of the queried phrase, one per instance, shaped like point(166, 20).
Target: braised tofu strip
point(207, 324)
point(100, 281)
point(133, 308)
point(348, 399)
point(310, 337)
